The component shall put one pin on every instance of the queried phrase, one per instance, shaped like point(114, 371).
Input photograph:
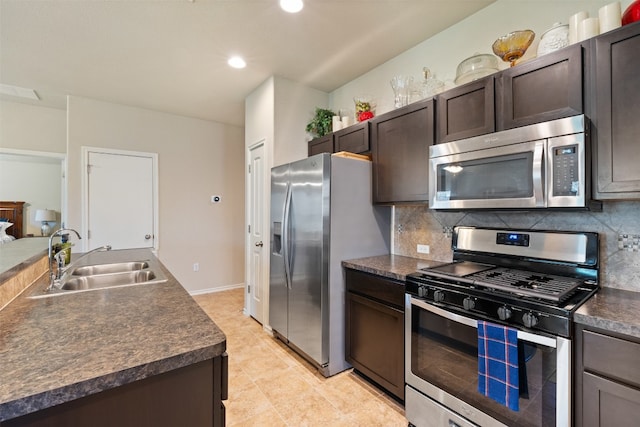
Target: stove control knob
point(469, 303)
point(438, 296)
point(530, 320)
point(504, 313)
point(422, 291)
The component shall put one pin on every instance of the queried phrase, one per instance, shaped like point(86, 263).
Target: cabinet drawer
point(321, 145)
point(612, 357)
point(376, 287)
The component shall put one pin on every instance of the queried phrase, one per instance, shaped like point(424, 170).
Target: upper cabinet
point(547, 88)
point(354, 139)
point(400, 141)
point(466, 111)
point(617, 114)
point(543, 89)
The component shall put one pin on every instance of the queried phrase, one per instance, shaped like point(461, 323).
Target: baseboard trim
point(216, 289)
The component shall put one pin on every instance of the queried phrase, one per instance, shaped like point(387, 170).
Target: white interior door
point(258, 244)
point(120, 200)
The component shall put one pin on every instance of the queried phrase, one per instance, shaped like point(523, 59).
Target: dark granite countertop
point(56, 349)
point(392, 266)
point(614, 310)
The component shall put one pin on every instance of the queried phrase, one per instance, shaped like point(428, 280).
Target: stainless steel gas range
point(528, 282)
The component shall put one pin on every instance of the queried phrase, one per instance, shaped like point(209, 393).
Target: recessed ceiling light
point(291, 6)
point(236, 62)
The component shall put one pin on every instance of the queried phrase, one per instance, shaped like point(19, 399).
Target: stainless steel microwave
point(544, 165)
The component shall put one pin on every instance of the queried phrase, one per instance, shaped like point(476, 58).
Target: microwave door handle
point(538, 177)
point(454, 317)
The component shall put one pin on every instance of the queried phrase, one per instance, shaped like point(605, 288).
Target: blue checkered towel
point(498, 364)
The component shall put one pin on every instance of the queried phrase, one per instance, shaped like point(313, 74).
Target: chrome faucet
point(55, 277)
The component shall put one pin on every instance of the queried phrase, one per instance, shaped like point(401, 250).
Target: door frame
point(266, 185)
point(85, 191)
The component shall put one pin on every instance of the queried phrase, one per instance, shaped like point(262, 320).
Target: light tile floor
point(270, 385)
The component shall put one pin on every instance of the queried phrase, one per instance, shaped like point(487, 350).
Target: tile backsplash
point(618, 226)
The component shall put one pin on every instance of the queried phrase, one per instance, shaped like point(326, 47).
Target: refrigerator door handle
point(285, 236)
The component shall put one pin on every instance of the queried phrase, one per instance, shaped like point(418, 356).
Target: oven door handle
point(454, 317)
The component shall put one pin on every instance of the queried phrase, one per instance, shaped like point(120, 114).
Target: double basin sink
point(102, 276)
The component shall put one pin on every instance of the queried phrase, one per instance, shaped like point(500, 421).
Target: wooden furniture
point(466, 111)
point(617, 114)
point(607, 390)
point(354, 139)
point(189, 396)
point(544, 89)
point(400, 141)
point(375, 329)
point(13, 212)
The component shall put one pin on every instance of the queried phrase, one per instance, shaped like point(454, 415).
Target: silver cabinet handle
point(260, 244)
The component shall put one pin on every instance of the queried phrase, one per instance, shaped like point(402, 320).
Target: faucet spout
point(53, 276)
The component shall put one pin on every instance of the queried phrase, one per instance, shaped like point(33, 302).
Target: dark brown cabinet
point(354, 139)
point(466, 111)
point(400, 141)
point(375, 329)
point(617, 112)
point(547, 88)
point(324, 144)
point(607, 389)
point(187, 396)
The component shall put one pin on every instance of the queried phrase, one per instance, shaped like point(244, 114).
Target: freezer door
point(278, 285)
point(309, 254)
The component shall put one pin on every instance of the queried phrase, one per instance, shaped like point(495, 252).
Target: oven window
point(499, 177)
point(444, 353)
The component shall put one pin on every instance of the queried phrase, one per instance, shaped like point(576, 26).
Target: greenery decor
point(321, 123)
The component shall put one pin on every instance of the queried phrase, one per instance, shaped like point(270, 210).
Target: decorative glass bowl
point(512, 46)
point(475, 67)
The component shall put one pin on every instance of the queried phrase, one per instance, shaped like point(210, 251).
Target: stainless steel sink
point(91, 270)
point(102, 276)
point(101, 281)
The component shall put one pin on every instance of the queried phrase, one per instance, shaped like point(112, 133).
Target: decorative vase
point(632, 13)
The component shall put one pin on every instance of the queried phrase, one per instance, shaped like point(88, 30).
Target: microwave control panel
point(566, 167)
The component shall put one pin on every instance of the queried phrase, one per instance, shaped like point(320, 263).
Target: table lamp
point(45, 216)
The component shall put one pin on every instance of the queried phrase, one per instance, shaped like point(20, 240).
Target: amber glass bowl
point(512, 46)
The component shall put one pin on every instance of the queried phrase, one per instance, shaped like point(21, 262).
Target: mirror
point(36, 178)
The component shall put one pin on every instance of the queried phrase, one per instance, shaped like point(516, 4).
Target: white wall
point(443, 52)
point(33, 141)
point(197, 159)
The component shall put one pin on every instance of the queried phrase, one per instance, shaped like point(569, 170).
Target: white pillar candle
point(574, 23)
point(588, 28)
point(346, 121)
point(610, 17)
point(336, 123)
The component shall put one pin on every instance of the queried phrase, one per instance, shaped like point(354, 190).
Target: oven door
point(442, 365)
point(510, 176)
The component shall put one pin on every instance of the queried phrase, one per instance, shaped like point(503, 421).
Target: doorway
point(258, 239)
point(120, 206)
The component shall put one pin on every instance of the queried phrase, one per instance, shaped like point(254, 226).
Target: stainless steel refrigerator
point(321, 214)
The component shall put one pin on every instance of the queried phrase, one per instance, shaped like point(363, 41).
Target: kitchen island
point(136, 355)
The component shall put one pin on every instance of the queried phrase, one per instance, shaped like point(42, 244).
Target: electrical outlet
point(196, 267)
point(423, 249)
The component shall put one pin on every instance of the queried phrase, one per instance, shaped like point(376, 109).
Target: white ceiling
point(170, 55)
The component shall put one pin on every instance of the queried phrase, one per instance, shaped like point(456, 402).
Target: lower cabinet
point(607, 391)
point(375, 329)
point(188, 396)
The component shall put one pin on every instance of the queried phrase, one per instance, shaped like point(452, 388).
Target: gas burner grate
point(526, 283)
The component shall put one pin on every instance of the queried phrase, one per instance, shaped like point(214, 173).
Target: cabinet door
point(324, 144)
point(616, 118)
point(608, 403)
point(400, 143)
point(354, 139)
point(546, 88)
point(375, 341)
point(466, 111)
